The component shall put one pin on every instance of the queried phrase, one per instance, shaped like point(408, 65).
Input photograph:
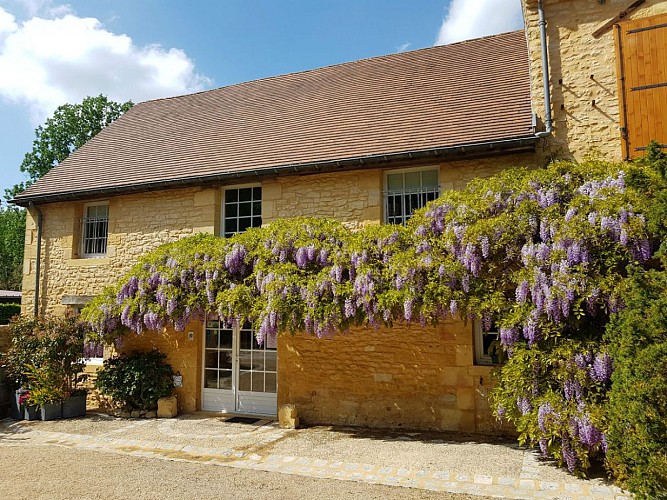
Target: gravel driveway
point(32, 472)
point(206, 455)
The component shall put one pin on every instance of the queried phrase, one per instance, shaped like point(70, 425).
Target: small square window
point(488, 350)
point(407, 191)
point(242, 209)
point(94, 230)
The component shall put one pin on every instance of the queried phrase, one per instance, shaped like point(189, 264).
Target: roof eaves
point(487, 148)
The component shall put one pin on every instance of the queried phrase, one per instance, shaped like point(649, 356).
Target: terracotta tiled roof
point(465, 93)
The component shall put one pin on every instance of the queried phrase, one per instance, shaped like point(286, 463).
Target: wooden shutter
point(641, 50)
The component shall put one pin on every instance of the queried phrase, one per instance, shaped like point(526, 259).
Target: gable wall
point(587, 68)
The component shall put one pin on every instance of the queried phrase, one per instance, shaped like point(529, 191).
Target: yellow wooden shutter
point(641, 49)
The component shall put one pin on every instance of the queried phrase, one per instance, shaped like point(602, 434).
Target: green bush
point(637, 412)
point(8, 311)
point(136, 380)
point(45, 357)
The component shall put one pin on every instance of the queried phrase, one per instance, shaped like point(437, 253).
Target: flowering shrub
point(543, 254)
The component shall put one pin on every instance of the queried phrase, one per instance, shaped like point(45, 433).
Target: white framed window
point(408, 190)
point(94, 230)
point(241, 208)
point(488, 350)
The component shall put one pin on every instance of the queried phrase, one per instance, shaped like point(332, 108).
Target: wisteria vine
point(541, 254)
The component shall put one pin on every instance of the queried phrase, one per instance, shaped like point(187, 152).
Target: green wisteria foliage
point(542, 254)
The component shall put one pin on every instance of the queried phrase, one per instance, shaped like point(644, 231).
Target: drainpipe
point(38, 257)
point(545, 73)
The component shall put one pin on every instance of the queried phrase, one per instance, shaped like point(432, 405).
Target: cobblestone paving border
point(527, 486)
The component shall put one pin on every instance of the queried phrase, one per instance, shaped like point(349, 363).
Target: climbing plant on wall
point(543, 254)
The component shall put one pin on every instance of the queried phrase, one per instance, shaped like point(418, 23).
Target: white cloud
point(44, 8)
point(7, 24)
point(48, 62)
point(403, 47)
point(466, 19)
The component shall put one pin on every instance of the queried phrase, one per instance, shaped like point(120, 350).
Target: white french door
point(240, 376)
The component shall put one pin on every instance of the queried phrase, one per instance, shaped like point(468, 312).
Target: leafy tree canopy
point(70, 127)
point(12, 236)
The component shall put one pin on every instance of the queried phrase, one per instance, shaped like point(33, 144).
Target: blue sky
point(54, 52)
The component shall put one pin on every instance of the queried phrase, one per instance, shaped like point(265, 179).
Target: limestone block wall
point(137, 224)
point(356, 197)
point(404, 377)
point(584, 88)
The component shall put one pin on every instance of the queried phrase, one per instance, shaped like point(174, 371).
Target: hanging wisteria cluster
point(540, 254)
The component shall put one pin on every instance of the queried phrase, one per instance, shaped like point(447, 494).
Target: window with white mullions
point(407, 191)
point(242, 209)
point(94, 230)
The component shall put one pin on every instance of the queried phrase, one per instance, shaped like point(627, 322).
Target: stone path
point(233, 445)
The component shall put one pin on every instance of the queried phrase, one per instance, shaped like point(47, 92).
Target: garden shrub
point(45, 357)
point(8, 311)
point(637, 411)
point(136, 380)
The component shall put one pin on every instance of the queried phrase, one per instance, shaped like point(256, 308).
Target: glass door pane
point(218, 356)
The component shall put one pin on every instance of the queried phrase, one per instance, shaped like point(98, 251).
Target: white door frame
point(235, 400)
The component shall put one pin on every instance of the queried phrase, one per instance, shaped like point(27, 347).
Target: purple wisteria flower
point(569, 455)
point(235, 260)
point(531, 330)
point(522, 292)
point(349, 309)
point(572, 389)
point(486, 321)
point(453, 307)
point(508, 336)
point(543, 413)
point(602, 368)
point(407, 307)
point(589, 435)
point(544, 447)
point(485, 246)
point(524, 405)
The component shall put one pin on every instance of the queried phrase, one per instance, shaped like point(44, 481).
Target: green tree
point(12, 230)
point(70, 127)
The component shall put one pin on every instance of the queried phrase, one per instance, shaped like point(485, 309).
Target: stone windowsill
point(86, 262)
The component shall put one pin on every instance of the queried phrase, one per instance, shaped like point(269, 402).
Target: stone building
point(365, 142)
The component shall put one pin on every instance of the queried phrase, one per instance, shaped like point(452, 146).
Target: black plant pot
point(31, 412)
point(15, 410)
point(51, 411)
point(74, 406)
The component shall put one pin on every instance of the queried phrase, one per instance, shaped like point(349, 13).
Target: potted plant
point(496, 352)
point(46, 361)
point(75, 404)
point(46, 390)
point(26, 409)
